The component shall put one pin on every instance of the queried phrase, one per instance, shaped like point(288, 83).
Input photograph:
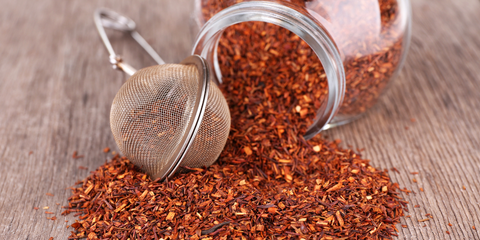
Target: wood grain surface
point(56, 87)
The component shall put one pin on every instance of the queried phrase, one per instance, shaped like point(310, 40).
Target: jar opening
point(302, 26)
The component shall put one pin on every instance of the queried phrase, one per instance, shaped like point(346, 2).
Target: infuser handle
point(106, 18)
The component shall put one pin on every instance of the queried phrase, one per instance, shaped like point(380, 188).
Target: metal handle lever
point(106, 18)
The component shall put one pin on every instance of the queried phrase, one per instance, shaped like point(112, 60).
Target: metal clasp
point(106, 18)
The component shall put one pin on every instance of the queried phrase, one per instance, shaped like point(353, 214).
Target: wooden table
point(56, 87)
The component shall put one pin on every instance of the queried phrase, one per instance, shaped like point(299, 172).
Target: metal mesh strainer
point(167, 115)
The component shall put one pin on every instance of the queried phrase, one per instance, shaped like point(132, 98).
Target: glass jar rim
point(306, 27)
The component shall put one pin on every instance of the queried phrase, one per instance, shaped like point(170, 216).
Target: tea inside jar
point(368, 35)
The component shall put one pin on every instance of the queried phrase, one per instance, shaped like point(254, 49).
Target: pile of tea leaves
point(327, 193)
point(269, 182)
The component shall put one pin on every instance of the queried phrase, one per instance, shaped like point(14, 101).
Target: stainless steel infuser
point(168, 115)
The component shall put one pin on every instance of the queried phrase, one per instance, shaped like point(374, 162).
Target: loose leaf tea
point(340, 196)
point(269, 182)
point(369, 36)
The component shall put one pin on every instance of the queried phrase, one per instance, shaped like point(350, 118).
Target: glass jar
point(359, 45)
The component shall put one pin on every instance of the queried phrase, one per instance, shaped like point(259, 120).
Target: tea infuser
point(168, 115)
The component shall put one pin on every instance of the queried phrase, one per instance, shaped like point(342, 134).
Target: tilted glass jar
point(361, 44)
